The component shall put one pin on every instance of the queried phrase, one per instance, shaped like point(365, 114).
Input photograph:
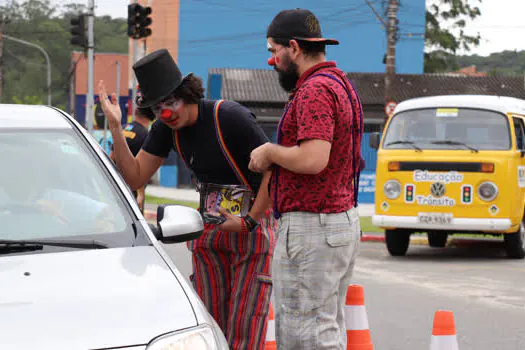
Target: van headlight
point(198, 338)
point(392, 189)
point(487, 191)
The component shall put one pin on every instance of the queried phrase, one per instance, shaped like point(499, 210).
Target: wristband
point(251, 224)
point(244, 227)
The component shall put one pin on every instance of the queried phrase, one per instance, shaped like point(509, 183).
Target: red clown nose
point(166, 113)
point(271, 61)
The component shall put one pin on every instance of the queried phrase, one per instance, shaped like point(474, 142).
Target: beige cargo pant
point(312, 266)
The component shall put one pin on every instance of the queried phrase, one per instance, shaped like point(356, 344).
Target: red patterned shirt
point(320, 108)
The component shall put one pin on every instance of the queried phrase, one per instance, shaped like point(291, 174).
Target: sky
point(501, 23)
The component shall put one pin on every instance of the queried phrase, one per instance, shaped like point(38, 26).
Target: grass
point(367, 226)
point(159, 200)
point(366, 221)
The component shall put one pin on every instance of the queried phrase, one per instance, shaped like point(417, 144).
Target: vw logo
point(437, 189)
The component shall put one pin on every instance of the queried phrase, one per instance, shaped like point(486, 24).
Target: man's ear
point(294, 45)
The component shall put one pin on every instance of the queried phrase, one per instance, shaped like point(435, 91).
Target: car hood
point(89, 299)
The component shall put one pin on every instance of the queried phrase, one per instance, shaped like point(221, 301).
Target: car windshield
point(51, 186)
point(448, 128)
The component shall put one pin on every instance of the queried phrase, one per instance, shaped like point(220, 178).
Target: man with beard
point(231, 259)
point(314, 185)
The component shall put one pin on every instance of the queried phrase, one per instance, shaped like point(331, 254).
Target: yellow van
point(452, 164)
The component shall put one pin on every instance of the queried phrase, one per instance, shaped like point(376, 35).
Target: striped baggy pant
point(232, 276)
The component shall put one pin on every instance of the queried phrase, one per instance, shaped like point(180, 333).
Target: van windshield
point(448, 128)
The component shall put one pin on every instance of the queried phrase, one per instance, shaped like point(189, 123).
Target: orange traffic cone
point(270, 343)
point(357, 329)
point(444, 331)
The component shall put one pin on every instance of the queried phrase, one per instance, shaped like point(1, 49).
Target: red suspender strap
point(177, 144)
point(224, 148)
point(222, 144)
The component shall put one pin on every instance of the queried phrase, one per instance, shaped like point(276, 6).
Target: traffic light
point(145, 22)
point(139, 21)
point(409, 193)
point(466, 194)
point(78, 31)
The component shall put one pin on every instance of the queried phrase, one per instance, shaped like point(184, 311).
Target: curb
point(372, 238)
point(423, 240)
point(151, 215)
point(381, 239)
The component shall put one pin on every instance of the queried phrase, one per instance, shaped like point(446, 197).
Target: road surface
point(484, 289)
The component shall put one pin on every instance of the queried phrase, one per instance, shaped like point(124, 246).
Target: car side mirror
point(375, 138)
point(177, 223)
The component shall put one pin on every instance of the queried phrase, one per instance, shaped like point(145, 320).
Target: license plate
point(435, 218)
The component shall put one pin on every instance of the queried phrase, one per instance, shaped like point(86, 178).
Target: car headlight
point(392, 189)
point(198, 338)
point(487, 191)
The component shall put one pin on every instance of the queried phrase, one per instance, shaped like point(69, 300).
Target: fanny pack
point(236, 199)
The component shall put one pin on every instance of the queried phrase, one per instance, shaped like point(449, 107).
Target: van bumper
point(457, 224)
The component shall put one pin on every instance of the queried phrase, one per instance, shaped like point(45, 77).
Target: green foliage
point(442, 43)
point(506, 63)
point(47, 25)
point(28, 100)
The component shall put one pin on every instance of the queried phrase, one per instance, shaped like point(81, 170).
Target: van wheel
point(437, 239)
point(515, 243)
point(397, 242)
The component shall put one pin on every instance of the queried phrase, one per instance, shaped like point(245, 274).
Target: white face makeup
point(171, 104)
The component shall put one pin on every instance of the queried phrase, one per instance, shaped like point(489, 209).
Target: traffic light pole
point(138, 23)
point(133, 78)
point(118, 101)
point(134, 81)
point(90, 100)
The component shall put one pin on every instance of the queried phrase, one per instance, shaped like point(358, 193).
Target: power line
point(376, 13)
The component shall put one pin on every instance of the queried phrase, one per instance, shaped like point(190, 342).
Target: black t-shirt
point(135, 134)
point(201, 149)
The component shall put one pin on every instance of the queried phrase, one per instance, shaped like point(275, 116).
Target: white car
point(80, 268)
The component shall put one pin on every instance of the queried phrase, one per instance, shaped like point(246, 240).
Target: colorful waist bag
point(236, 199)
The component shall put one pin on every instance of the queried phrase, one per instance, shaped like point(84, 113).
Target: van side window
point(519, 130)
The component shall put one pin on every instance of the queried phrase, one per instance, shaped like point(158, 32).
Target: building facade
point(233, 34)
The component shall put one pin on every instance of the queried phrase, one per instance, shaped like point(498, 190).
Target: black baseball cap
point(298, 24)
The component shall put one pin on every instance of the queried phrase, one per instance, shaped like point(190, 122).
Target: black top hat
point(158, 76)
point(299, 24)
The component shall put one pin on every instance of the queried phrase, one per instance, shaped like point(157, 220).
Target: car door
point(519, 159)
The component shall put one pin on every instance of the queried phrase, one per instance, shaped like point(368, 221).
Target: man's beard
point(288, 77)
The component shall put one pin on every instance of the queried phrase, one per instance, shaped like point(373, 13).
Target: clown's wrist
point(251, 223)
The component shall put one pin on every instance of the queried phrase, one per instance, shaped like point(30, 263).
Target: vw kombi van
point(452, 164)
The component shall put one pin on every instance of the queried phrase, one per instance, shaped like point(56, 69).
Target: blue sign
point(367, 187)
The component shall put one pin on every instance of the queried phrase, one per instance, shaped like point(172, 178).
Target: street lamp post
point(48, 61)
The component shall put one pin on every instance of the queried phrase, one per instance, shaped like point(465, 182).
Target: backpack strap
point(224, 148)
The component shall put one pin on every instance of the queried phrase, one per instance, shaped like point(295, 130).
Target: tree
point(47, 25)
point(28, 100)
point(442, 18)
